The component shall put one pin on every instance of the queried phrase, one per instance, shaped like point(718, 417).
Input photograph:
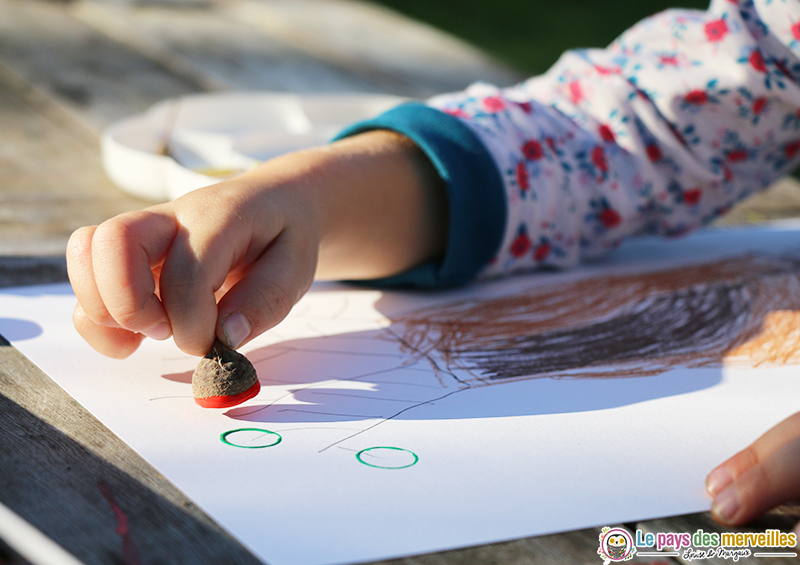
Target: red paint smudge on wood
point(130, 556)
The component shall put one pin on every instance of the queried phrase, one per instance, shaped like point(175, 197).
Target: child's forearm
point(379, 204)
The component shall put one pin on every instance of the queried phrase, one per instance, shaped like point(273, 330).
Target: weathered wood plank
point(299, 45)
point(70, 477)
point(198, 41)
point(31, 270)
point(410, 57)
point(97, 77)
point(51, 178)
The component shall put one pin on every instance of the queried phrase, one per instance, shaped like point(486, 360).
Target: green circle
point(224, 438)
point(360, 460)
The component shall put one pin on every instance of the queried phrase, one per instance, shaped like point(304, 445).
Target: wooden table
point(67, 70)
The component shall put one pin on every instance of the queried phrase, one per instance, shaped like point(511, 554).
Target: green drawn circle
point(360, 460)
point(224, 438)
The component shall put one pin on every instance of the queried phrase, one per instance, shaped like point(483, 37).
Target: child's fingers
point(189, 278)
point(81, 275)
point(112, 342)
point(124, 250)
point(268, 291)
point(759, 477)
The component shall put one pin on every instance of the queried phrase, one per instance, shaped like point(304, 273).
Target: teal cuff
point(476, 197)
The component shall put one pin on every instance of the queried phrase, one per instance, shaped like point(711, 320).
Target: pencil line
point(328, 413)
point(394, 416)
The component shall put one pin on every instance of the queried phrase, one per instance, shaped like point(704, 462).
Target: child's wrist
point(384, 209)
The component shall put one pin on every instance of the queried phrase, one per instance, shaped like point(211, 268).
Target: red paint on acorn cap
point(224, 378)
point(229, 401)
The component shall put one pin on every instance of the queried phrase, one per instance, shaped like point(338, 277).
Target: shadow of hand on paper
point(590, 344)
point(16, 329)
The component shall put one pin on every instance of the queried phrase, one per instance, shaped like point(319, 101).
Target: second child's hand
point(758, 478)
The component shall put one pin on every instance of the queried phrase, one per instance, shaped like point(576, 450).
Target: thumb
point(759, 477)
point(266, 293)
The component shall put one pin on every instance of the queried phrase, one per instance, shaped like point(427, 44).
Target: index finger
point(124, 251)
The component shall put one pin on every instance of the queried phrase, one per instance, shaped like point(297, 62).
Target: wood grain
point(68, 475)
point(406, 56)
point(101, 80)
point(199, 43)
point(51, 178)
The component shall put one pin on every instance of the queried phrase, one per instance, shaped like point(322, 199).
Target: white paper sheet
point(376, 450)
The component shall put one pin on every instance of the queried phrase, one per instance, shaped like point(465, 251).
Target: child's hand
point(232, 259)
point(760, 477)
point(159, 272)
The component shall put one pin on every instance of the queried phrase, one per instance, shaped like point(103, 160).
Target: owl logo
point(616, 544)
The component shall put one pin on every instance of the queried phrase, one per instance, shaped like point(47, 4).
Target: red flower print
point(541, 251)
point(457, 112)
point(759, 104)
point(654, 152)
point(698, 97)
point(522, 176)
point(606, 133)
point(692, 196)
point(757, 61)
point(532, 150)
point(493, 103)
point(522, 243)
point(604, 71)
point(599, 159)
point(669, 60)
point(736, 155)
point(526, 107)
point(716, 30)
point(551, 143)
point(792, 148)
point(610, 218)
point(796, 30)
point(575, 92)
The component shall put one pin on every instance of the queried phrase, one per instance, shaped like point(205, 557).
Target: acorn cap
point(224, 378)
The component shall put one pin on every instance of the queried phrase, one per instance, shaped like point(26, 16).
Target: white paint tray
point(185, 143)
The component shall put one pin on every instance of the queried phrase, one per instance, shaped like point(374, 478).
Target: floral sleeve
point(685, 114)
point(682, 116)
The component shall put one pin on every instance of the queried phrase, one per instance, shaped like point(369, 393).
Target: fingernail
point(160, 331)
point(718, 479)
point(236, 329)
point(726, 504)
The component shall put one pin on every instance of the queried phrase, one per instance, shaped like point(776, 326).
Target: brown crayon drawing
point(743, 310)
